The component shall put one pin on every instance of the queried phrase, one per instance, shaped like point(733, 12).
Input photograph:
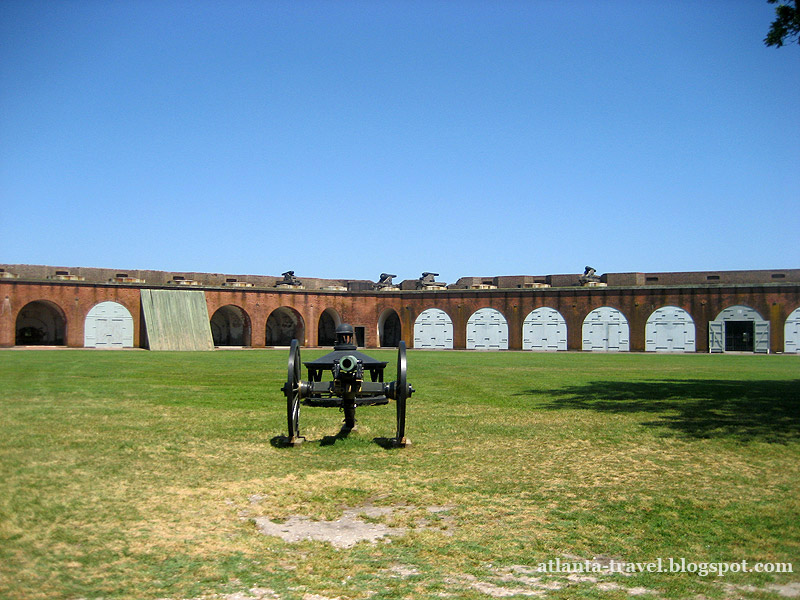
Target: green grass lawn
point(138, 475)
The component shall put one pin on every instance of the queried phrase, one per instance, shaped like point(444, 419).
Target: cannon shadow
point(281, 441)
point(764, 411)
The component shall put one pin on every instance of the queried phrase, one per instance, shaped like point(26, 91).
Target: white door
point(761, 342)
point(605, 329)
point(433, 329)
point(108, 325)
point(791, 333)
point(670, 329)
point(544, 329)
point(487, 329)
point(761, 328)
point(716, 337)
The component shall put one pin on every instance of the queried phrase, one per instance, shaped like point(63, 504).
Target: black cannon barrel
point(326, 362)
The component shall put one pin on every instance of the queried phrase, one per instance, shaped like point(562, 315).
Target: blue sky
point(343, 139)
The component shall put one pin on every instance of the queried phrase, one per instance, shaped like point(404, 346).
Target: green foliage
point(137, 474)
point(786, 26)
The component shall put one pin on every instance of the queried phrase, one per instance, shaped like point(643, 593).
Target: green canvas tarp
point(176, 320)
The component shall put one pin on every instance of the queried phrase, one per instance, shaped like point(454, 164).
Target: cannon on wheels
point(348, 388)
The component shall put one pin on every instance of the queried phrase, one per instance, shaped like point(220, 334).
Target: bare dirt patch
point(343, 532)
point(788, 590)
point(364, 523)
point(521, 580)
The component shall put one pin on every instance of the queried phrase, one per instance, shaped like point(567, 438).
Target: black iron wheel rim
point(292, 391)
point(401, 390)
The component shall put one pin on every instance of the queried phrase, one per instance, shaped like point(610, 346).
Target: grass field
point(139, 475)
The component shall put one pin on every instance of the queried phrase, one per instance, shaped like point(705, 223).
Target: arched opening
point(230, 326)
point(41, 323)
point(544, 329)
point(669, 329)
point(284, 325)
point(108, 325)
point(791, 333)
point(487, 329)
point(433, 328)
point(389, 329)
point(326, 330)
point(738, 329)
point(605, 329)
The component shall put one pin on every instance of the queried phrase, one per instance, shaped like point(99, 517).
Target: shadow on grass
point(281, 441)
point(766, 411)
point(330, 440)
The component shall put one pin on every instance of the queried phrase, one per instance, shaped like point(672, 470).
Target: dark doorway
point(283, 325)
point(391, 331)
point(359, 337)
point(326, 334)
point(40, 323)
point(230, 326)
point(740, 336)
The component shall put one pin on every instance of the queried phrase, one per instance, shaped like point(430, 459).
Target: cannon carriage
point(348, 388)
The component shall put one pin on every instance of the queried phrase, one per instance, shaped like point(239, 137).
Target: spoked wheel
point(401, 394)
point(292, 392)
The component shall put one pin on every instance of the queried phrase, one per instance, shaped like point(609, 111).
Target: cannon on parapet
point(385, 282)
point(428, 282)
point(289, 278)
point(589, 277)
point(289, 281)
point(428, 277)
point(348, 388)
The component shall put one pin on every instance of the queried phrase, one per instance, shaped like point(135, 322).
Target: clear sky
point(342, 139)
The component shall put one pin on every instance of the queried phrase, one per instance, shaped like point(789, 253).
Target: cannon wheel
point(292, 391)
point(401, 393)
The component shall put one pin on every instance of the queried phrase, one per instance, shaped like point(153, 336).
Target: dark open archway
point(390, 330)
point(41, 323)
point(283, 325)
point(230, 326)
point(326, 332)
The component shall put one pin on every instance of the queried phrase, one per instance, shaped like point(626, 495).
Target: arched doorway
point(487, 329)
point(738, 329)
point(41, 323)
point(605, 329)
point(791, 333)
point(108, 325)
point(544, 329)
point(283, 325)
point(230, 326)
point(433, 328)
point(389, 329)
point(326, 329)
point(669, 329)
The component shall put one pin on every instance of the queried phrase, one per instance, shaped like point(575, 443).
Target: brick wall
point(773, 301)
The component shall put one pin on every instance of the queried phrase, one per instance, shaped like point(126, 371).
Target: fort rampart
point(703, 296)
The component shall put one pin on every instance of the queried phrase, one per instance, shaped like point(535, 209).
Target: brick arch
point(329, 320)
point(390, 328)
point(40, 322)
point(739, 328)
point(231, 326)
point(284, 324)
